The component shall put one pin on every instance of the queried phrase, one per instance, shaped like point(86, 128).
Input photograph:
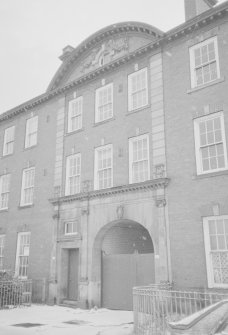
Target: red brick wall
point(115, 131)
point(190, 197)
point(38, 218)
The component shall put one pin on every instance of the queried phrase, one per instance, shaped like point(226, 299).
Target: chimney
point(66, 52)
point(196, 7)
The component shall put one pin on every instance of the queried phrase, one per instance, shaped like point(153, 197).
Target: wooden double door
point(120, 273)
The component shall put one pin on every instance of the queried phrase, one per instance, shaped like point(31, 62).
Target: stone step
point(70, 303)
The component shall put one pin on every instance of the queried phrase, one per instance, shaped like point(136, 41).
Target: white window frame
point(193, 66)
point(75, 110)
point(22, 255)
point(100, 95)
point(131, 77)
point(9, 137)
point(2, 247)
point(97, 170)
point(31, 132)
point(69, 175)
point(4, 191)
point(208, 251)
point(198, 147)
point(25, 187)
point(73, 225)
point(132, 140)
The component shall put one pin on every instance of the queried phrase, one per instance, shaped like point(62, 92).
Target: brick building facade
point(196, 144)
point(131, 186)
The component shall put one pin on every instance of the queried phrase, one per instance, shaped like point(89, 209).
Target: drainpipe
point(167, 233)
point(56, 216)
point(86, 189)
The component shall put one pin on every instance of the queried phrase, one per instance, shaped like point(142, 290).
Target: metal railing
point(15, 293)
point(154, 307)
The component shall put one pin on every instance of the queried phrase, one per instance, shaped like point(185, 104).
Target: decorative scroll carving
point(55, 216)
point(85, 211)
point(86, 186)
point(107, 52)
point(159, 171)
point(160, 203)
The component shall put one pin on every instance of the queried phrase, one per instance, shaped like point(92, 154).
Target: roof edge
point(173, 32)
point(196, 20)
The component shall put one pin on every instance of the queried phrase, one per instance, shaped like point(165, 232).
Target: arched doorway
point(126, 256)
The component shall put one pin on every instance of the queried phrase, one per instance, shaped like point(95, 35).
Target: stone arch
point(115, 238)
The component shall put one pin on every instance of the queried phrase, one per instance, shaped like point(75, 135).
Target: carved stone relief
point(159, 171)
point(105, 53)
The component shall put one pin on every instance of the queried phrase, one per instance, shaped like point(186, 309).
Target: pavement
point(58, 320)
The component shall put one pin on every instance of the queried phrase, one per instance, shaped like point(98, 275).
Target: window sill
point(74, 131)
point(8, 155)
point(210, 174)
point(195, 89)
point(102, 122)
point(218, 287)
point(102, 189)
point(68, 194)
point(4, 210)
point(138, 110)
point(25, 206)
point(32, 146)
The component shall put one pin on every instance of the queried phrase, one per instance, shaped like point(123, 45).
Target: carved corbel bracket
point(160, 202)
point(85, 211)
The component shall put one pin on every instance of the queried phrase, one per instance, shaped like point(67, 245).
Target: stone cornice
point(145, 186)
point(197, 22)
point(30, 104)
point(180, 31)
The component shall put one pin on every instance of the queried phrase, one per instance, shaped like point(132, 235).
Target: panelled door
point(73, 274)
point(120, 273)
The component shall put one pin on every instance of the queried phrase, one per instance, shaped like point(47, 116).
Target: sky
point(34, 32)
